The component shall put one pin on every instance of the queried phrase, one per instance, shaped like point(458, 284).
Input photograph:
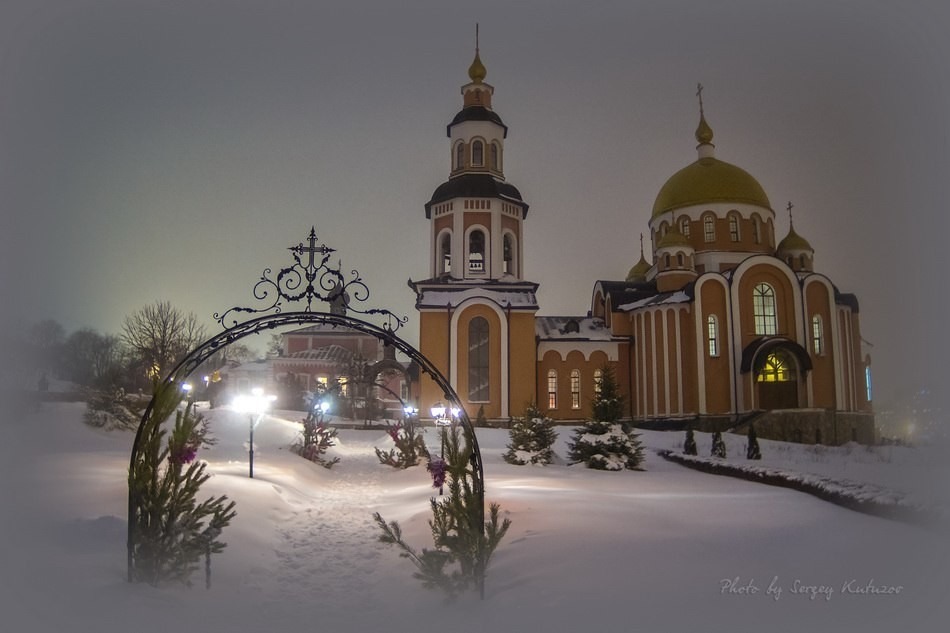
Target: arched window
point(817, 335)
point(494, 154)
point(666, 261)
point(709, 228)
point(445, 253)
point(684, 227)
point(734, 227)
point(755, 230)
point(476, 251)
point(478, 387)
point(552, 389)
point(679, 260)
point(778, 368)
point(712, 334)
point(802, 261)
point(763, 310)
point(575, 389)
point(460, 155)
point(508, 254)
point(598, 380)
point(664, 229)
point(478, 151)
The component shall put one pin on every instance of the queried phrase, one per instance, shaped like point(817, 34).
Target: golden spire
point(477, 72)
point(704, 133)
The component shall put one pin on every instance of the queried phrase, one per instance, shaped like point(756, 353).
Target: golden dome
point(706, 181)
point(794, 242)
point(477, 72)
point(639, 270)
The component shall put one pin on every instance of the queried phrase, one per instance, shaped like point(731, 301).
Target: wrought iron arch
point(329, 285)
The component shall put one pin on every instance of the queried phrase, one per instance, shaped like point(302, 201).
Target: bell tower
point(476, 309)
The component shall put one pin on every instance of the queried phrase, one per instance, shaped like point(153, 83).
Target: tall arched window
point(666, 261)
point(763, 310)
point(478, 153)
point(684, 227)
point(552, 389)
point(755, 230)
point(817, 335)
point(712, 334)
point(494, 154)
point(508, 254)
point(679, 260)
point(734, 227)
point(709, 228)
point(459, 155)
point(445, 253)
point(575, 389)
point(478, 386)
point(476, 251)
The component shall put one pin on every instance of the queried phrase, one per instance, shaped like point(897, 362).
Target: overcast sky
point(174, 149)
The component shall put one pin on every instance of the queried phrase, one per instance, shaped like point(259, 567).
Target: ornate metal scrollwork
point(311, 278)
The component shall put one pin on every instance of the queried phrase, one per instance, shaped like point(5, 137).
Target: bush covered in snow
point(531, 438)
point(603, 442)
point(112, 409)
point(718, 446)
point(316, 438)
point(410, 447)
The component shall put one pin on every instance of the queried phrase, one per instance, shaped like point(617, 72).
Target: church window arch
point(712, 335)
point(494, 154)
point(679, 260)
point(476, 251)
point(509, 254)
point(802, 261)
point(684, 227)
point(575, 389)
point(445, 253)
point(764, 316)
point(478, 363)
point(459, 155)
point(756, 235)
point(817, 335)
point(478, 153)
point(778, 367)
point(709, 228)
point(666, 261)
point(552, 389)
point(734, 227)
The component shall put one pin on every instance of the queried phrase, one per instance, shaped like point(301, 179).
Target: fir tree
point(410, 447)
point(463, 539)
point(315, 439)
point(689, 446)
point(531, 438)
point(718, 446)
point(172, 530)
point(603, 442)
point(753, 451)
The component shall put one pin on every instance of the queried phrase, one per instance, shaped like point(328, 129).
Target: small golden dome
point(793, 242)
point(477, 72)
point(704, 133)
point(673, 238)
point(639, 270)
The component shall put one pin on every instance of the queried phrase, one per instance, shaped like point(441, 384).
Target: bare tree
point(160, 335)
point(91, 359)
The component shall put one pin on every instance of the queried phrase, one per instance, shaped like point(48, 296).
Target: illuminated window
point(778, 368)
point(867, 380)
point(763, 310)
point(734, 228)
point(817, 335)
point(478, 150)
point(459, 155)
point(712, 334)
point(476, 252)
point(552, 389)
point(709, 229)
point(575, 389)
point(684, 227)
point(478, 360)
point(598, 380)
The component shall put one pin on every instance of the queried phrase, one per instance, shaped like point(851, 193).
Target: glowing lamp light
point(324, 406)
point(438, 411)
point(255, 404)
point(410, 410)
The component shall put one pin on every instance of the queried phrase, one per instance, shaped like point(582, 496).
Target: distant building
point(722, 326)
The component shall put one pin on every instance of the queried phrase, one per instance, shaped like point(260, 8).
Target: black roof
point(476, 113)
point(476, 186)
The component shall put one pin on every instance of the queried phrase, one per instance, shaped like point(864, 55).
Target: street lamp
point(442, 420)
point(255, 405)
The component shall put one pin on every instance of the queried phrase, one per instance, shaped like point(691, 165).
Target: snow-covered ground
point(665, 550)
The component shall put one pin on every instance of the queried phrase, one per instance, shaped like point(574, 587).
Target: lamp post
point(255, 405)
point(442, 420)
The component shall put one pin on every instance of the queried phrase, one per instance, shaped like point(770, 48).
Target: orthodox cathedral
point(720, 328)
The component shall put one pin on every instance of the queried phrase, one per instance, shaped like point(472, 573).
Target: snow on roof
point(334, 353)
point(672, 297)
point(504, 298)
point(571, 328)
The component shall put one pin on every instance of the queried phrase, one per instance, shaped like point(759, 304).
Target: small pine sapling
point(752, 450)
point(315, 439)
point(689, 446)
point(531, 439)
point(410, 447)
point(718, 446)
point(604, 443)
